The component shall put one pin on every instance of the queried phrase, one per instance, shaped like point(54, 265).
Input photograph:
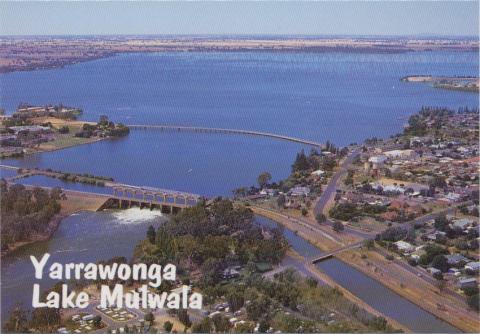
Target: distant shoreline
point(29, 53)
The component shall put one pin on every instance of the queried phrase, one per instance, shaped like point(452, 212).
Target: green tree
point(149, 317)
point(473, 302)
point(151, 234)
point(203, 326)
point(221, 323)
point(301, 162)
point(320, 218)
point(97, 321)
point(235, 300)
point(441, 263)
point(338, 226)
point(18, 321)
point(184, 318)
point(263, 179)
point(167, 326)
point(281, 200)
point(369, 244)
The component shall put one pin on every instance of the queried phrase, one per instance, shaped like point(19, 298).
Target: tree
point(221, 323)
point(473, 302)
point(97, 320)
point(440, 262)
point(338, 226)
point(263, 179)
point(441, 222)
point(167, 326)
point(151, 234)
point(301, 162)
point(235, 300)
point(369, 244)
point(204, 326)
point(470, 291)
point(184, 318)
point(258, 307)
point(149, 317)
point(281, 200)
point(320, 218)
point(18, 321)
point(304, 211)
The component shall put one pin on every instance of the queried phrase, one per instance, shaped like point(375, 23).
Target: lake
point(339, 97)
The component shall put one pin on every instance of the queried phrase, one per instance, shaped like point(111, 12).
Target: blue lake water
point(318, 96)
point(338, 96)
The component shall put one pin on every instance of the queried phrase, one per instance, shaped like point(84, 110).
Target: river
point(370, 291)
point(80, 238)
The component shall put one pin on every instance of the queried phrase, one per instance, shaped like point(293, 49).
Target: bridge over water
point(226, 131)
point(167, 200)
point(124, 195)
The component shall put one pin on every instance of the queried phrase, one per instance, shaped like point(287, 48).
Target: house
point(318, 172)
point(29, 128)
point(434, 271)
point(455, 259)
point(404, 246)
point(88, 317)
point(462, 223)
point(454, 271)
point(467, 283)
point(299, 191)
point(393, 189)
point(401, 154)
point(268, 192)
point(473, 266)
point(451, 197)
point(230, 273)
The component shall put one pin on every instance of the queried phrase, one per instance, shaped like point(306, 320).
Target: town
point(33, 129)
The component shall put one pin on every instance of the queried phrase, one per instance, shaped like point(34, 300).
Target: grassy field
point(64, 142)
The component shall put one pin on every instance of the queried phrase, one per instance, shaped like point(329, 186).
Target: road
point(329, 192)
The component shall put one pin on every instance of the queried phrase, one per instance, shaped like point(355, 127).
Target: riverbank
point(421, 293)
point(73, 203)
point(408, 285)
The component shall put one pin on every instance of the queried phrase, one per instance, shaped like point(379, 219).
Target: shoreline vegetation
point(458, 83)
point(23, 53)
point(66, 203)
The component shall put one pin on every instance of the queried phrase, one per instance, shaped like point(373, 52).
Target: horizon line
point(419, 35)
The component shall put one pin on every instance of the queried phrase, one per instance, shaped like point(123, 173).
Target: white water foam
point(136, 215)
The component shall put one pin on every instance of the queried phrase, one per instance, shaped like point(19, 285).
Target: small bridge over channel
point(329, 255)
point(200, 129)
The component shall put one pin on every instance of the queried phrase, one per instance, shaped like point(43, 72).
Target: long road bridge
point(225, 131)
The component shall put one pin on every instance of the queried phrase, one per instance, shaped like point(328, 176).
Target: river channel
point(94, 236)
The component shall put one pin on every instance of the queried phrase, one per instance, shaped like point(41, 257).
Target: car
point(419, 275)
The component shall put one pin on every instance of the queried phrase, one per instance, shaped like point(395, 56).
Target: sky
point(451, 18)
